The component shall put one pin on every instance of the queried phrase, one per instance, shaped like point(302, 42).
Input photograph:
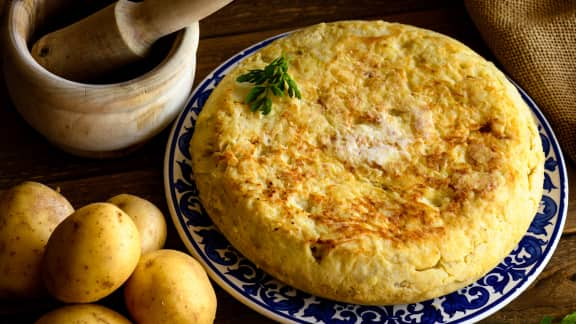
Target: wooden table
point(25, 155)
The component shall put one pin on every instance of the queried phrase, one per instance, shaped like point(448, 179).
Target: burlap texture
point(535, 43)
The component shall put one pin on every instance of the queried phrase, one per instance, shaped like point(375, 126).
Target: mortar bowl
point(94, 120)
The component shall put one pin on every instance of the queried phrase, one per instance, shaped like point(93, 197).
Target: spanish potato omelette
point(409, 168)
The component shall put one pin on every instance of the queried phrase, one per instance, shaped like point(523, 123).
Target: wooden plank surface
point(25, 155)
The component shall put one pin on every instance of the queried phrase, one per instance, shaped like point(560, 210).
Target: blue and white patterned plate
point(250, 285)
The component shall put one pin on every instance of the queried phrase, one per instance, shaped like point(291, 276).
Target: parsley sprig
point(272, 80)
point(568, 319)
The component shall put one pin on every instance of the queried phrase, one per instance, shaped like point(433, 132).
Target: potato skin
point(90, 254)
point(147, 217)
point(29, 213)
point(169, 286)
point(82, 313)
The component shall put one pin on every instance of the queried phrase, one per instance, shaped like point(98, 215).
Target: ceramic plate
point(250, 285)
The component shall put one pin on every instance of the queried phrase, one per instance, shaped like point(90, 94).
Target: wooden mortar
point(94, 120)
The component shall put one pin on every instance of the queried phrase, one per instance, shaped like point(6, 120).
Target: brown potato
point(91, 253)
point(29, 212)
point(170, 286)
point(82, 313)
point(147, 217)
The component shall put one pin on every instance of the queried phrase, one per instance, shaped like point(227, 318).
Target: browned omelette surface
point(409, 168)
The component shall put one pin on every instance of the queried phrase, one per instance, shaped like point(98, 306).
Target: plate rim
point(263, 309)
point(170, 196)
point(562, 212)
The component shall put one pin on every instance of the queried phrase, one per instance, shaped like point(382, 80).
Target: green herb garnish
point(272, 80)
point(568, 319)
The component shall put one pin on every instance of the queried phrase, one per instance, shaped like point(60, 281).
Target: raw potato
point(91, 253)
point(82, 313)
point(147, 217)
point(29, 212)
point(169, 286)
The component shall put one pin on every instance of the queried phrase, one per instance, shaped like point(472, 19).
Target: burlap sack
point(535, 43)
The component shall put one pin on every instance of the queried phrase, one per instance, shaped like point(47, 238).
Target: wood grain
point(25, 155)
point(257, 15)
point(570, 226)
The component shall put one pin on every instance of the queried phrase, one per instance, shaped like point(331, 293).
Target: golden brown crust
point(409, 169)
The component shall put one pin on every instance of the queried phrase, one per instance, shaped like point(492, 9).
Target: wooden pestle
point(117, 35)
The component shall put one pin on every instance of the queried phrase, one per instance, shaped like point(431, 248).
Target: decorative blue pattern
point(283, 303)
